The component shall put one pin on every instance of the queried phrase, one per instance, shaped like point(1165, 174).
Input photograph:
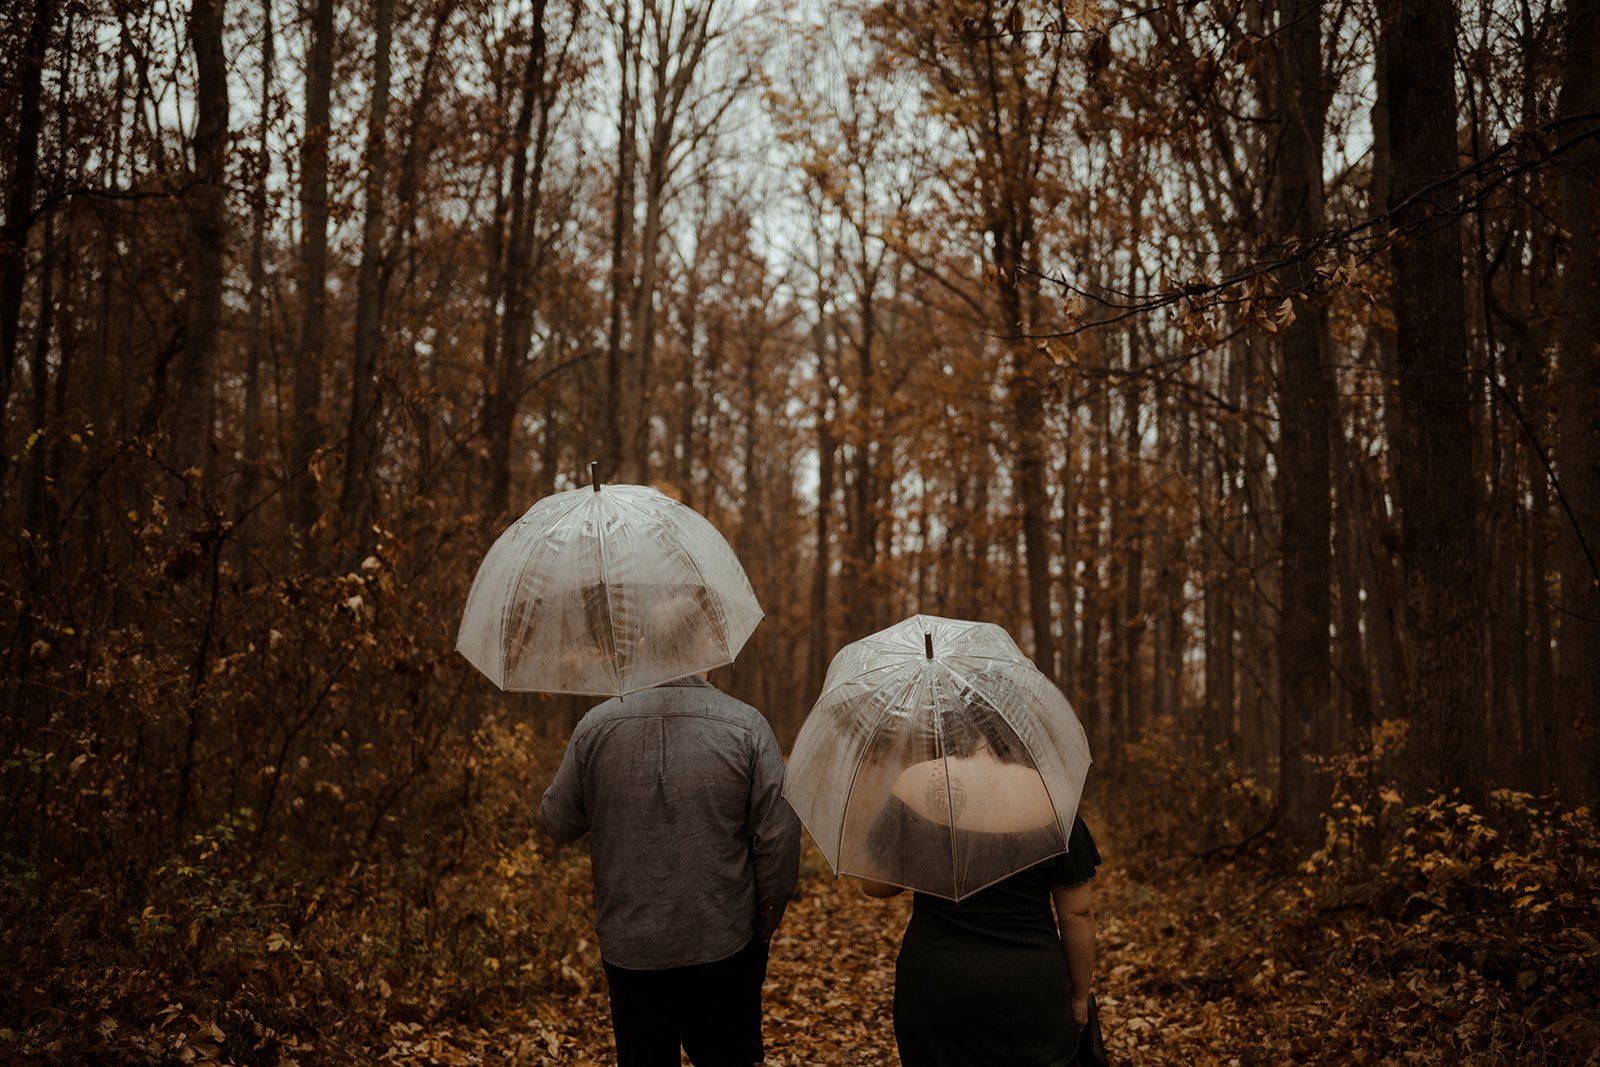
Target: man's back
point(694, 849)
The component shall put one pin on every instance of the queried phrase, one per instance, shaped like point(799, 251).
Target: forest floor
point(1465, 937)
point(1197, 965)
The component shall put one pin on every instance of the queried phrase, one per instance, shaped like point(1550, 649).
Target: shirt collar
point(689, 679)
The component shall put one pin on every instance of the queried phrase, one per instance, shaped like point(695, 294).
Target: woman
point(998, 978)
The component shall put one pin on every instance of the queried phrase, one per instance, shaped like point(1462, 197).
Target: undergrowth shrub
point(254, 808)
point(1431, 933)
point(1168, 800)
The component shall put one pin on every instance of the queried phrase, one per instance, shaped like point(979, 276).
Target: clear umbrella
point(938, 758)
point(606, 590)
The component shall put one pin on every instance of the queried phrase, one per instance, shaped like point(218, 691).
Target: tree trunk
point(1354, 670)
point(1067, 534)
point(1383, 573)
point(250, 450)
point(1385, 618)
point(208, 235)
point(1026, 390)
point(36, 517)
point(1221, 596)
point(1435, 489)
point(1116, 503)
point(1131, 710)
point(1255, 544)
point(622, 273)
point(306, 442)
point(674, 66)
point(1578, 417)
point(358, 502)
point(1304, 394)
point(502, 402)
point(819, 648)
point(1543, 725)
point(862, 583)
point(1028, 410)
point(1091, 504)
point(634, 411)
point(19, 205)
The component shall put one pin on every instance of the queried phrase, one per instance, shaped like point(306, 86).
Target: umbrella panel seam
point(611, 620)
point(944, 765)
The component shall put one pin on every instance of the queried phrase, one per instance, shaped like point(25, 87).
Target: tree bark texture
point(359, 496)
point(1305, 393)
point(19, 204)
point(622, 223)
point(1435, 488)
point(503, 399)
point(250, 452)
point(208, 237)
point(674, 66)
point(306, 439)
point(1578, 414)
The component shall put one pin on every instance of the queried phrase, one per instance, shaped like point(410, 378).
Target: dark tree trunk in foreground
point(208, 236)
point(818, 647)
point(19, 203)
point(501, 403)
point(1304, 395)
point(256, 328)
point(308, 358)
point(359, 498)
point(1578, 455)
point(1433, 458)
point(622, 221)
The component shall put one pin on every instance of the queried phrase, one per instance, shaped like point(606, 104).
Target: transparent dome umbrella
point(938, 758)
point(606, 590)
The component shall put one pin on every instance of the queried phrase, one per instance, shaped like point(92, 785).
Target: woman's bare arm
point(1075, 920)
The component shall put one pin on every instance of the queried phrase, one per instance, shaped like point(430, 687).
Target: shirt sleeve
point(774, 834)
point(562, 810)
point(1081, 859)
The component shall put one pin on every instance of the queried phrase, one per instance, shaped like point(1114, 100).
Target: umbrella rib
point(862, 674)
point(611, 620)
point(949, 790)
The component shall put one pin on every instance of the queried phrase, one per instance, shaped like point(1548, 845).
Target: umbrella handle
point(594, 479)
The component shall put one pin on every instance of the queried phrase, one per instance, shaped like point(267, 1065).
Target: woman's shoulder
point(918, 787)
point(1079, 862)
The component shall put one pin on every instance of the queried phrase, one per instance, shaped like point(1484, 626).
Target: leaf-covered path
point(1224, 964)
point(829, 986)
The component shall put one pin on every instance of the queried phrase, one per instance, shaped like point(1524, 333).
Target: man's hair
point(680, 611)
point(686, 616)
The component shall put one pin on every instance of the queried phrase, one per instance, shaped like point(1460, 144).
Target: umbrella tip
point(927, 644)
point(594, 479)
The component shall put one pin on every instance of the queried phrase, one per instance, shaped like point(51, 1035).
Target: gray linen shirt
point(694, 849)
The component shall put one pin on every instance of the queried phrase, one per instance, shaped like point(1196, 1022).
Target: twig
point(1243, 843)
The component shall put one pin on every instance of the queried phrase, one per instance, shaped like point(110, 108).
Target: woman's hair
point(976, 723)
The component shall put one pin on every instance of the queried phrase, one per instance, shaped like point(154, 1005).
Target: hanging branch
point(1491, 168)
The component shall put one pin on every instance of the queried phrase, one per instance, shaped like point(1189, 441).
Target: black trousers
point(713, 1010)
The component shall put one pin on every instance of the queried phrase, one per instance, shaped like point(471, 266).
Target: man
point(695, 855)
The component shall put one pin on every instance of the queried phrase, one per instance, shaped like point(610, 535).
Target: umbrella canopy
point(606, 590)
point(938, 758)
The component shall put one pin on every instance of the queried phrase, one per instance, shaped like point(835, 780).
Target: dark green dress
point(984, 983)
